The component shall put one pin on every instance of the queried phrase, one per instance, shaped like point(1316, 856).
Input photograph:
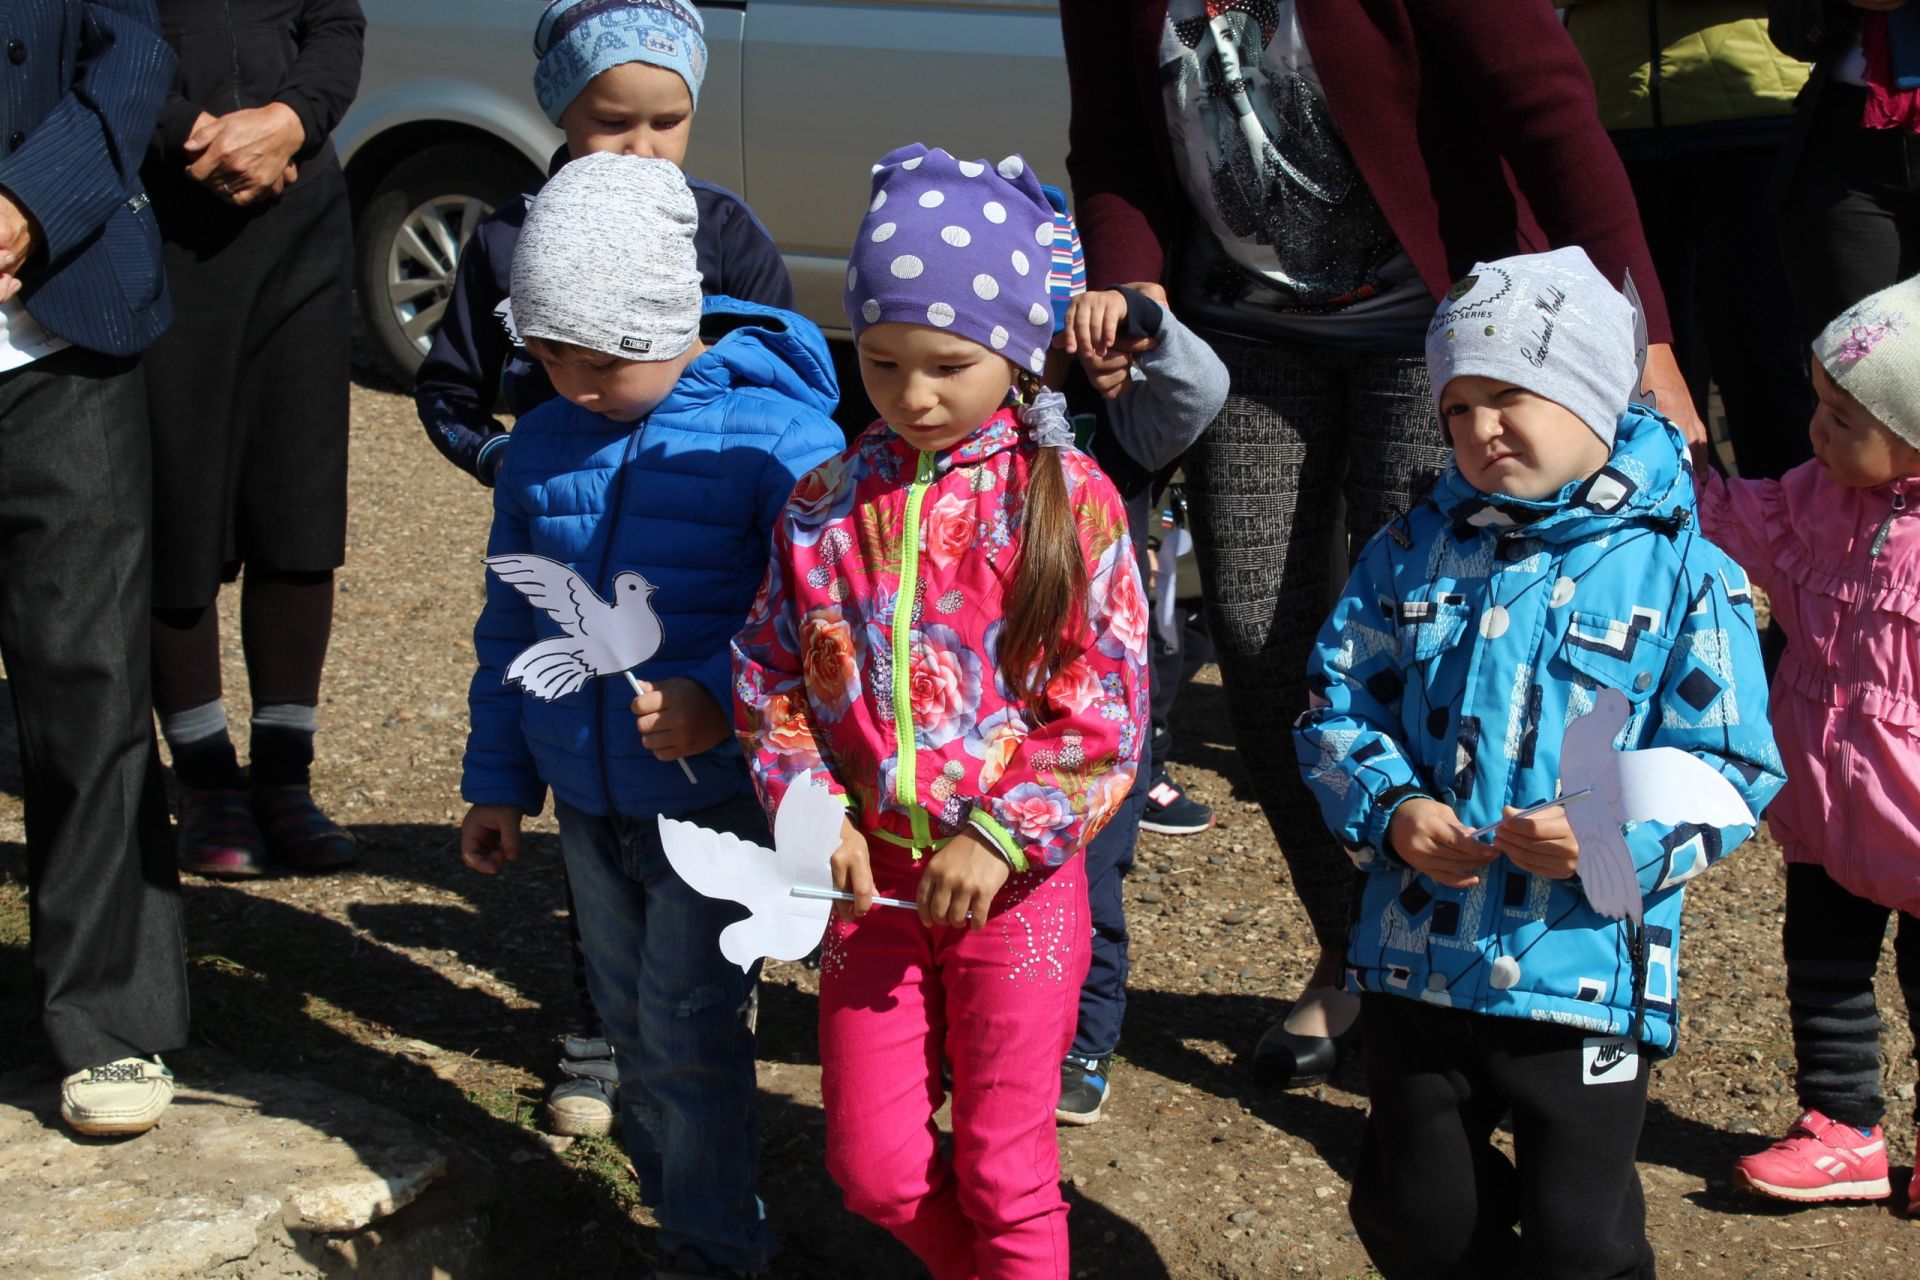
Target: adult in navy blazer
point(81, 295)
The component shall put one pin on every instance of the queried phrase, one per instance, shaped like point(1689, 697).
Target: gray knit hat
point(1872, 350)
point(606, 259)
point(1548, 322)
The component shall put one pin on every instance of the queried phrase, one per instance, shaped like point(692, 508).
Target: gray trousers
point(1305, 429)
point(75, 501)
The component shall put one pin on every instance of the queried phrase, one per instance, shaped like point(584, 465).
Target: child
point(1166, 392)
point(616, 75)
point(670, 456)
point(1553, 559)
point(620, 76)
point(1838, 554)
point(952, 634)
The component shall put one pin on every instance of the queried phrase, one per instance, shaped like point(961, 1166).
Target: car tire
point(409, 238)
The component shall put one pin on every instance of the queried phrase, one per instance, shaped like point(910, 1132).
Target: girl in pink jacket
point(952, 635)
point(1836, 545)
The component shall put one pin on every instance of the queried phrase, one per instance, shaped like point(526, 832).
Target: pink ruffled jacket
point(1841, 567)
point(871, 655)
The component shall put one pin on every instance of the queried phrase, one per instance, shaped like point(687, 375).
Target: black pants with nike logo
point(1433, 1196)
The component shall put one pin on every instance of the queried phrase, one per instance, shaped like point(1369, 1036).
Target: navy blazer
point(80, 89)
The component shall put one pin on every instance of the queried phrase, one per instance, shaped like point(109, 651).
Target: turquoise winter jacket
point(1471, 632)
point(687, 497)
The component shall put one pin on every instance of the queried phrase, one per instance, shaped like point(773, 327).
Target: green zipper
point(904, 788)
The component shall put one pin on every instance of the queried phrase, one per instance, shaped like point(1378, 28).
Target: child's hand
point(1542, 843)
point(961, 880)
point(851, 874)
point(1094, 321)
point(678, 717)
point(1428, 836)
point(490, 836)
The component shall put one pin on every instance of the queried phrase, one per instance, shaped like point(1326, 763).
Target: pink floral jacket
point(871, 655)
point(1841, 568)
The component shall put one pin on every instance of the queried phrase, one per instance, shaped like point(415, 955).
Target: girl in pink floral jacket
point(952, 635)
point(1836, 545)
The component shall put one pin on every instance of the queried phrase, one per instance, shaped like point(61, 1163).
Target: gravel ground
point(440, 993)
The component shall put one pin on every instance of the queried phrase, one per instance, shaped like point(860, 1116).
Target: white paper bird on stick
point(601, 639)
point(784, 925)
point(1658, 784)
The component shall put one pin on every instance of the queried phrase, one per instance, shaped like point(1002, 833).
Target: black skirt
point(248, 391)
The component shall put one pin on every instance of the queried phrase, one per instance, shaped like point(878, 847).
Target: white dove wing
point(717, 864)
point(550, 586)
point(806, 831)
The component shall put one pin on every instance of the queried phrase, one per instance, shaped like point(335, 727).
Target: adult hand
point(18, 240)
point(1671, 396)
point(1429, 837)
point(852, 872)
point(678, 717)
point(490, 837)
point(246, 156)
point(960, 881)
point(1542, 843)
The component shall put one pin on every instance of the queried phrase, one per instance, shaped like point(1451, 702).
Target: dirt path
point(423, 987)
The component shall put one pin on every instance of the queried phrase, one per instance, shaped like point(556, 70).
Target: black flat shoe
point(1284, 1060)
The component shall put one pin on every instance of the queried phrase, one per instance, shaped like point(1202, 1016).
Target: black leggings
point(286, 619)
point(1303, 429)
point(1832, 943)
point(1433, 1197)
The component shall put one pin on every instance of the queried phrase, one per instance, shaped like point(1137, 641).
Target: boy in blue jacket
point(678, 435)
point(615, 75)
point(1557, 557)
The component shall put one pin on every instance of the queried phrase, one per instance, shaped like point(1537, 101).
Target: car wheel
point(408, 242)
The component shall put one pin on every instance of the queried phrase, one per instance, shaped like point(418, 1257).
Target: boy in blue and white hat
point(1557, 557)
point(619, 76)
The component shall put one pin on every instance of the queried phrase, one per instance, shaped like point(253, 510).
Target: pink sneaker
point(1818, 1160)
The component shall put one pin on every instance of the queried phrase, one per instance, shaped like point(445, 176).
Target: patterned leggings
point(1304, 428)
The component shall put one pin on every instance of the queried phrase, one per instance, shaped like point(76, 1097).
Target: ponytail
point(1046, 606)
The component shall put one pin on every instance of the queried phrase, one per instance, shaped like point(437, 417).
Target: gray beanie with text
point(606, 259)
point(1548, 322)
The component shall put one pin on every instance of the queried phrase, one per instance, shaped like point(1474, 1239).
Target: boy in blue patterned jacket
point(1557, 557)
point(676, 439)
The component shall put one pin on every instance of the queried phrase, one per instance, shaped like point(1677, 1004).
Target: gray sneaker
point(1084, 1085)
point(586, 1102)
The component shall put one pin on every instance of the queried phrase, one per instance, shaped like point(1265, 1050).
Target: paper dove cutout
point(1659, 784)
point(601, 639)
point(806, 831)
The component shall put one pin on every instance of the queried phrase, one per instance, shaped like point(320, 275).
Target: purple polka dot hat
point(961, 245)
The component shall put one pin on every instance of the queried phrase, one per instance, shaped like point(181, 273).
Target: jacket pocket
point(132, 240)
point(1627, 656)
point(1428, 628)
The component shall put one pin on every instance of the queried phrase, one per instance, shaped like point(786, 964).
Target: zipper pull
point(923, 470)
point(1880, 535)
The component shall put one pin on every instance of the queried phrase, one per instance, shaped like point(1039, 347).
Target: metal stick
point(841, 895)
point(639, 689)
point(1532, 809)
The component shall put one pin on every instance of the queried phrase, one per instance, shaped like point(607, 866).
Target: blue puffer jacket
point(1472, 631)
point(688, 498)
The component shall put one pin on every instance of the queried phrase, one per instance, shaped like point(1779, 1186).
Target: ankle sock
point(282, 744)
point(203, 755)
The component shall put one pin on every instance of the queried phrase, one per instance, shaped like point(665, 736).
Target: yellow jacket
point(1682, 62)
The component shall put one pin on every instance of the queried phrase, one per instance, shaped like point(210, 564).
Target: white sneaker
point(119, 1099)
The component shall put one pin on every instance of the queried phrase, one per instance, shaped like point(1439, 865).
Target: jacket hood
point(750, 345)
point(1647, 479)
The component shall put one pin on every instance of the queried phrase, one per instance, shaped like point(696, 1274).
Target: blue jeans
point(672, 1006)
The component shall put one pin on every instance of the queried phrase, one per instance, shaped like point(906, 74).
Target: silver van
point(801, 96)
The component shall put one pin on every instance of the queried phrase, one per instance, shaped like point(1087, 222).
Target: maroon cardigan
point(1472, 121)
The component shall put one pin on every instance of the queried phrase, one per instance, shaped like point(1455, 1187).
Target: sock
point(282, 745)
point(203, 755)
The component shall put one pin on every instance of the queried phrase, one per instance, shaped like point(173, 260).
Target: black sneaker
point(1171, 811)
point(1083, 1090)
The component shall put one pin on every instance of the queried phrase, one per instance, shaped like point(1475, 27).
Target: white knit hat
point(606, 259)
point(1872, 351)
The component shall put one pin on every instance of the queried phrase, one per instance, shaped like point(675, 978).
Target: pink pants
point(999, 1006)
